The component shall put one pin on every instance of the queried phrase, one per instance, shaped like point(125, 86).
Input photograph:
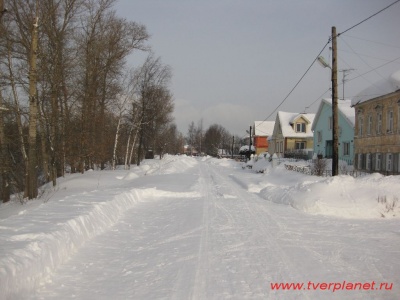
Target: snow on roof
point(264, 128)
point(383, 87)
point(287, 119)
point(345, 107)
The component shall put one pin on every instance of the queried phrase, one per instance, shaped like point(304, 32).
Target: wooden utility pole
point(32, 186)
point(233, 143)
point(335, 119)
point(250, 143)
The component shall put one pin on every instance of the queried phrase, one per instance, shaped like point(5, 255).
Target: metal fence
point(309, 170)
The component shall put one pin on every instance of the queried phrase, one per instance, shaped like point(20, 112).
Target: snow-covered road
point(200, 234)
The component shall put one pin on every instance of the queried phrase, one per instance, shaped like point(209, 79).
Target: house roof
point(287, 119)
point(344, 107)
point(264, 128)
point(383, 87)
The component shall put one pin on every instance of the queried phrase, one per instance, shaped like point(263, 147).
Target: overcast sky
point(235, 61)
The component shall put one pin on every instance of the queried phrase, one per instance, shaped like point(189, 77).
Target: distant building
point(377, 127)
point(292, 135)
point(322, 128)
point(261, 131)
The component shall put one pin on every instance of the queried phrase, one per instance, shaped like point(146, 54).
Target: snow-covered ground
point(202, 228)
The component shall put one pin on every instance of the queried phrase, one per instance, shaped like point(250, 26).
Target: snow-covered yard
point(202, 228)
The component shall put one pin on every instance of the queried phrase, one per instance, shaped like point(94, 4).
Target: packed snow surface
point(202, 228)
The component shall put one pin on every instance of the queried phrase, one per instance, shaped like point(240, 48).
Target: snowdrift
point(370, 196)
point(31, 256)
point(39, 236)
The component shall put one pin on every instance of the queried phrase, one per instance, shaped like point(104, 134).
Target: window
point(346, 148)
point(369, 126)
point(398, 121)
point(379, 123)
point(398, 162)
point(300, 127)
point(378, 162)
point(330, 123)
point(389, 121)
point(359, 161)
point(368, 162)
point(389, 158)
point(300, 145)
point(319, 136)
point(360, 125)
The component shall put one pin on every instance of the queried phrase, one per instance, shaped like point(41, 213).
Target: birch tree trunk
point(126, 166)
point(5, 184)
point(116, 143)
point(32, 184)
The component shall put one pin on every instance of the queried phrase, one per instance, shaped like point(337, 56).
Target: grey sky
point(234, 61)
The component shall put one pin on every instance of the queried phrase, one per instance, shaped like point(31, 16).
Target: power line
point(375, 42)
point(393, 60)
point(298, 82)
point(359, 23)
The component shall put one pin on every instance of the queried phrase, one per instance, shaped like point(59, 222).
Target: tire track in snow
point(200, 285)
point(259, 217)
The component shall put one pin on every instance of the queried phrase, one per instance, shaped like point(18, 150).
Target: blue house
point(322, 128)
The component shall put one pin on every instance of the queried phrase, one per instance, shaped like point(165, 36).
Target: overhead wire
point(343, 32)
point(298, 82)
point(366, 19)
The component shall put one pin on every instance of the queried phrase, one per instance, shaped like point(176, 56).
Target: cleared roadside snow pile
point(371, 196)
point(36, 239)
point(30, 256)
point(167, 165)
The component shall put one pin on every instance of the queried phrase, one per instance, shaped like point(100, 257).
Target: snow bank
point(39, 236)
point(370, 196)
point(32, 256)
point(168, 165)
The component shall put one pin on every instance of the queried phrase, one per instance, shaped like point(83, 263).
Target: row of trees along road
point(213, 141)
point(68, 99)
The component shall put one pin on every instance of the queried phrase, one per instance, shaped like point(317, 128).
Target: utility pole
point(335, 119)
point(233, 143)
point(250, 143)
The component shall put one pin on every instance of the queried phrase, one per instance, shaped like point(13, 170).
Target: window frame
point(389, 162)
point(368, 161)
point(360, 125)
point(378, 162)
point(389, 121)
point(379, 122)
point(319, 136)
point(346, 148)
point(370, 124)
point(302, 127)
point(304, 143)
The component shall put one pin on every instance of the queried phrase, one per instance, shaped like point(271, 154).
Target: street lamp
point(335, 118)
point(323, 62)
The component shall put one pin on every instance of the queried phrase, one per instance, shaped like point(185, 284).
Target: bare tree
point(215, 138)
point(153, 97)
point(105, 42)
point(191, 137)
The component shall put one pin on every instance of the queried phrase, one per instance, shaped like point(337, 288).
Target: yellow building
point(292, 135)
point(377, 129)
